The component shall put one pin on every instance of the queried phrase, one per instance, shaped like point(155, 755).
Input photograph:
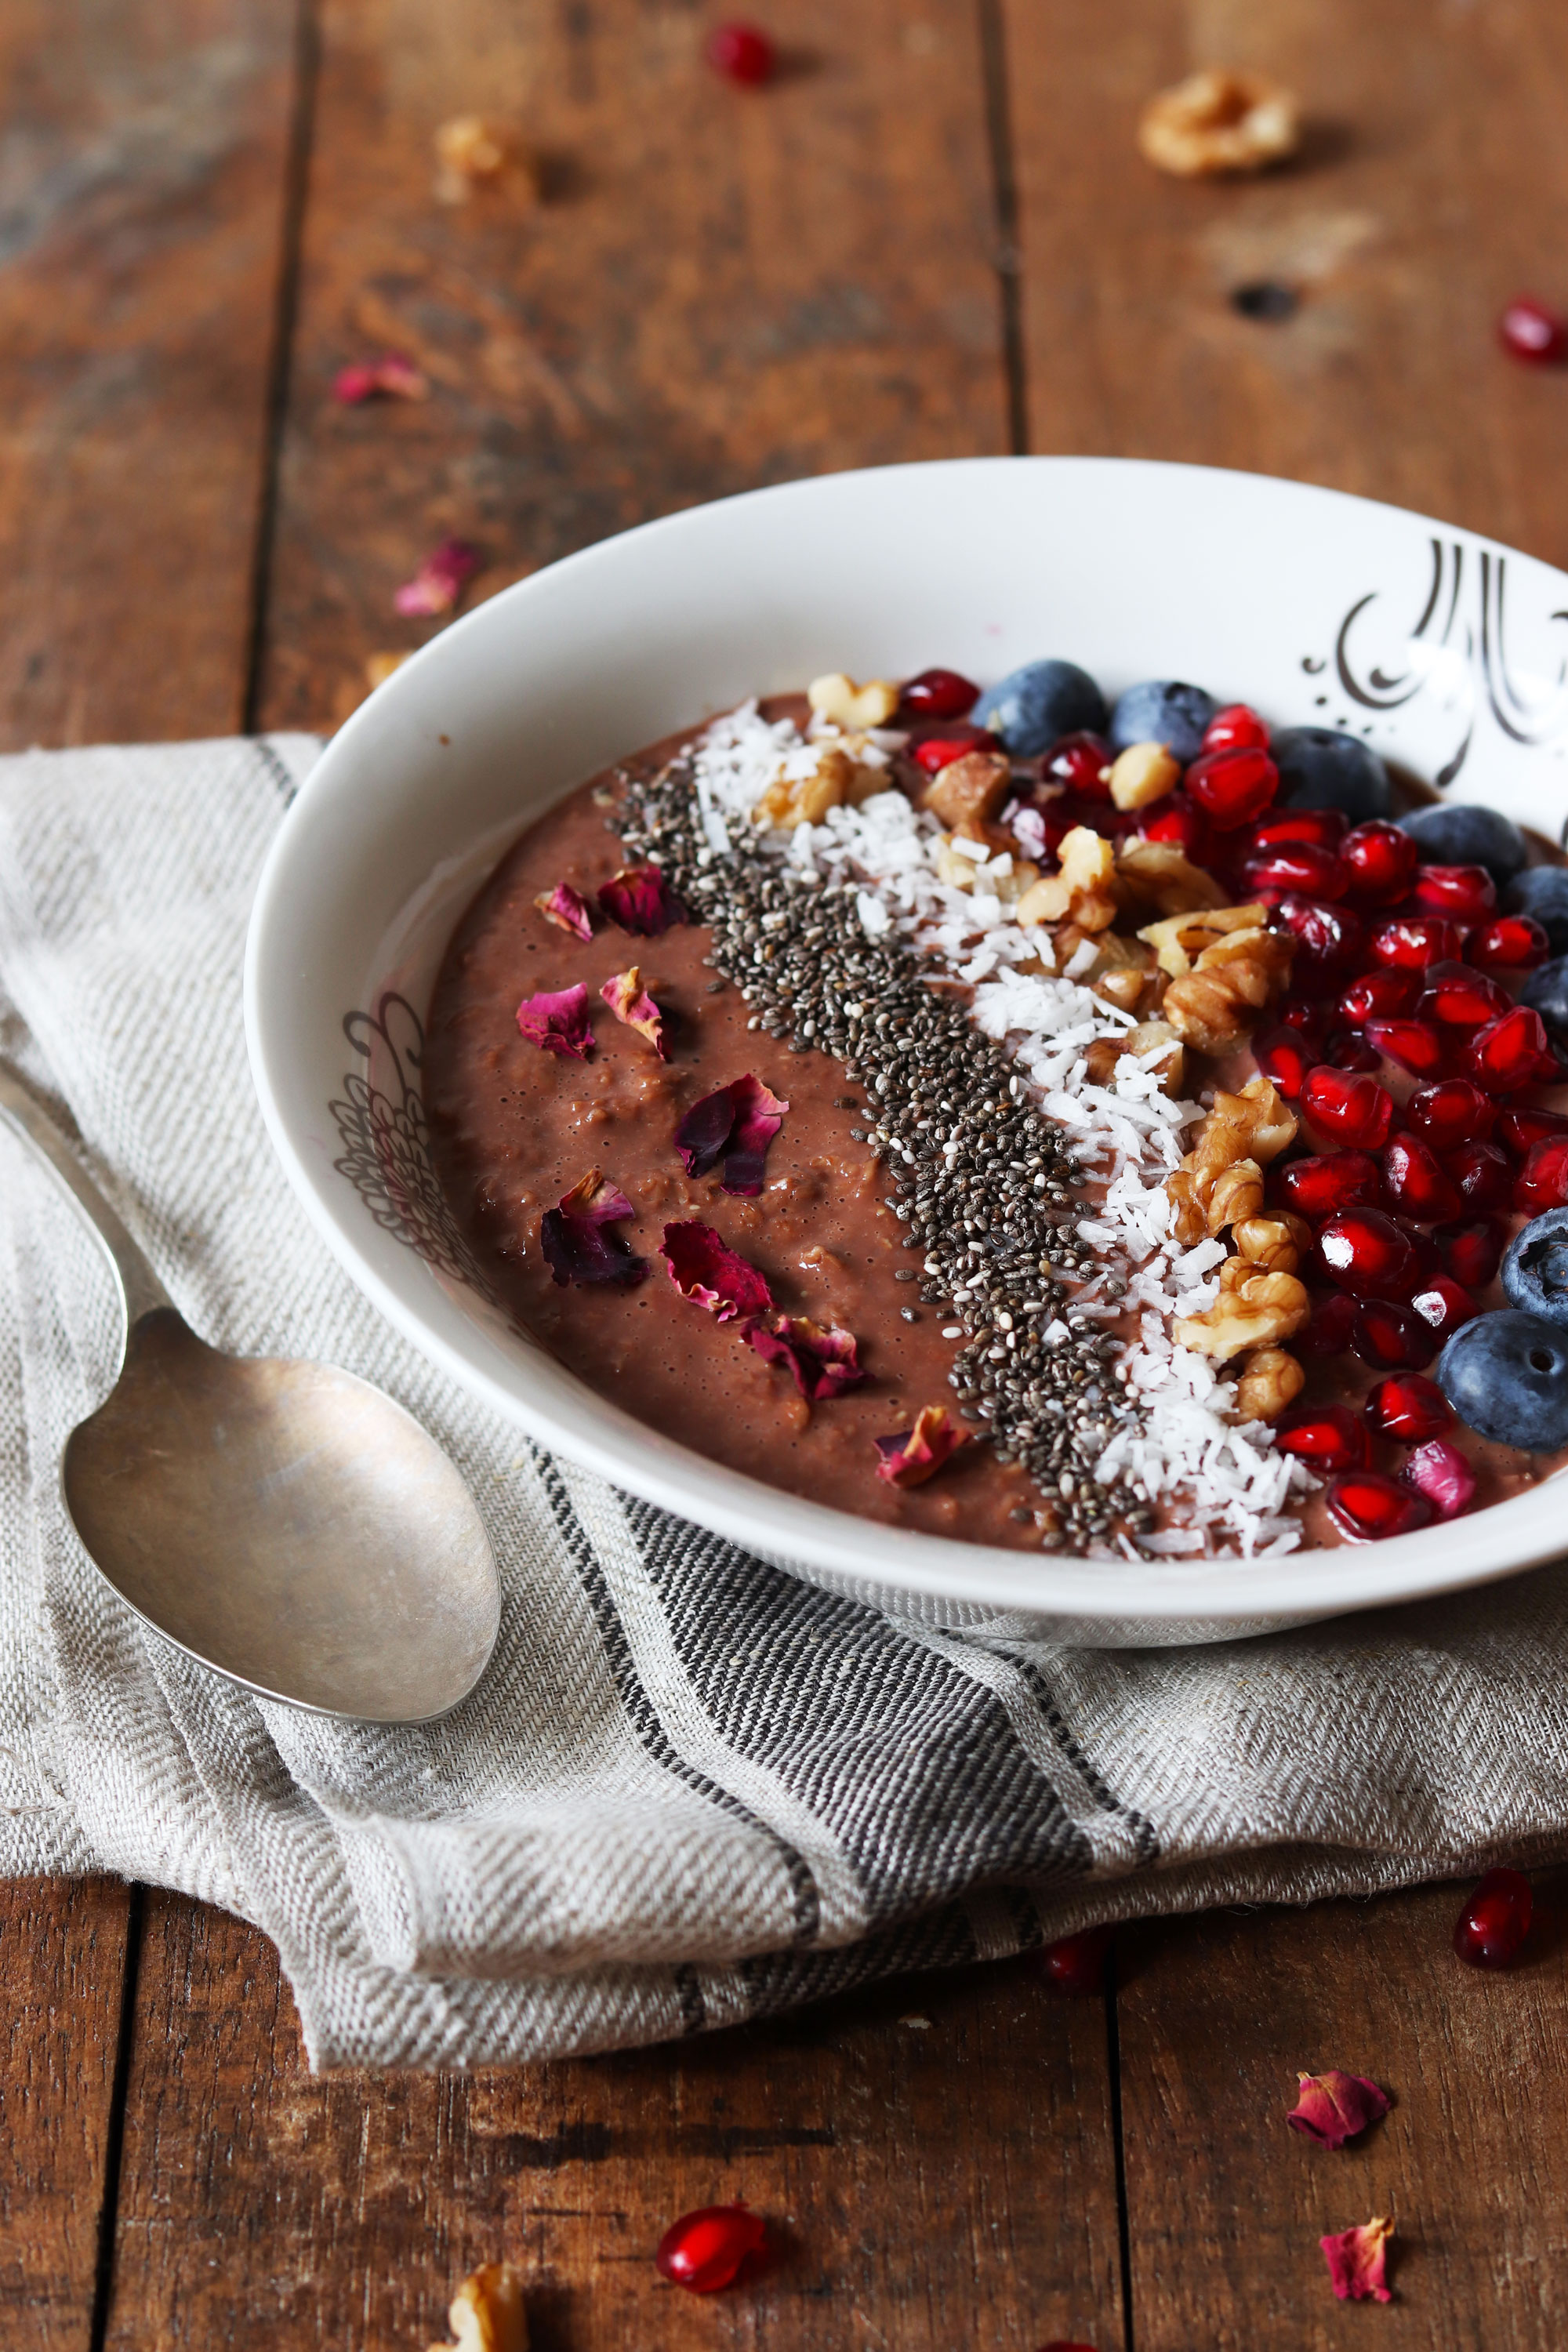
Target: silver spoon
point(282, 1521)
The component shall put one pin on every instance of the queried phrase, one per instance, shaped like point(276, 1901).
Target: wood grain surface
point(931, 236)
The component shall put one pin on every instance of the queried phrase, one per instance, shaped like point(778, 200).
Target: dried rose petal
point(705, 1269)
point(1333, 2107)
point(1357, 2260)
point(567, 908)
point(641, 900)
point(440, 579)
point(557, 1019)
point(574, 1237)
point(823, 1360)
point(910, 1456)
point(735, 1125)
point(629, 1001)
point(391, 377)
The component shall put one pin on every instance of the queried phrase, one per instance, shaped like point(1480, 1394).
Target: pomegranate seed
point(1415, 1182)
point(1453, 1111)
point(1381, 861)
point(1366, 1507)
point(939, 694)
point(1331, 1329)
point(1461, 997)
point(1284, 1055)
point(1348, 1049)
point(1513, 943)
point(1441, 1303)
point(1495, 1920)
point(1367, 1254)
point(1381, 995)
point(1236, 728)
point(1408, 1408)
point(1542, 1183)
point(1508, 1054)
point(1078, 763)
point(1440, 1472)
point(1415, 1045)
point(1471, 1252)
point(935, 752)
point(1529, 330)
point(1328, 1436)
point(1519, 1130)
point(1177, 820)
point(1232, 788)
point(1482, 1174)
point(1467, 893)
point(1411, 942)
point(704, 2250)
point(1325, 1182)
point(1391, 1337)
point(1349, 1106)
point(1324, 828)
point(1309, 1015)
point(1076, 1963)
point(1329, 940)
point(741, 53)
point(1302, 865)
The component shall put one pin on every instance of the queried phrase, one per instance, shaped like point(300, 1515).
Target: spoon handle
point(140, 1288)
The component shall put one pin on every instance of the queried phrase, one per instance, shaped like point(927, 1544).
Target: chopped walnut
point(1143, 774)
point(1237, 1194)
point(1255, 1312)
point(1243, 1130)
point(1183, 938)
point(1276, 1244)
point(487, 2315)
point(1081, 891)
point(838, 698)
point(471, 153)
point(1212, 1005)
point(835, 781)
point(1101, 1056)
point(1271, 1380)
point(1159, 873)
point(968, 793)
point(1121, 987)
point(1158, 1037)
point(1217, 122)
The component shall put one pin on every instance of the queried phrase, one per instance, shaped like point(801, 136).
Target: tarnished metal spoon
point(282, 1521)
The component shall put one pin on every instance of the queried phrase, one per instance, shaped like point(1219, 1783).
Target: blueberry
point(1542, 891)
point(1163, 710)
point(1034, 707)
point(1320, 767)
point(1459, 833)
point(1535, 1270)
point(1507, 1375)
point(1546, 992)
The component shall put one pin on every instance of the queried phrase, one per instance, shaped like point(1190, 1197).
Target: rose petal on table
point(704, 1268)
point(641, 900)
point(822, 1359)
point(910, 1456)
point(567, 908)
point(440, 579)
point(391, 377)
point(557, 1020)
point(1358, 2261)
point(629, 1001)
point(735, 1124)
point(574, 1238)
point(1333, 2107)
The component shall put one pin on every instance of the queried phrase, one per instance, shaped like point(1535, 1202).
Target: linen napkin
point(691, 1789)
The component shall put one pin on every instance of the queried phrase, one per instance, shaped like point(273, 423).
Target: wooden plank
point(62, 1955)
point(1226, 2204)
point(1435, 186)
point(143, 175)
point(933, 2159)
point(727, 287)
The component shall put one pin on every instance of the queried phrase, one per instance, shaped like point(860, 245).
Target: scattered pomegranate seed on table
point(704, 2250)
point(1529, 330)
point(1075, 1964)
point(742, 53)
point(1495, 1920)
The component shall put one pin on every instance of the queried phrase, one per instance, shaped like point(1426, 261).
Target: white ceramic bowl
point(1443, 651)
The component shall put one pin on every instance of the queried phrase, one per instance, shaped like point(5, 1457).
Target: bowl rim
point(1501, 1541)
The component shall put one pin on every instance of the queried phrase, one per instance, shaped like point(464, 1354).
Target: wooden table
point(931, 236)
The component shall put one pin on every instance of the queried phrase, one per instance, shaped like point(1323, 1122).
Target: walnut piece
point(1158, 1037)
point(1243, 1131)
point(835, 781)
point(1219, 123)
point(1275, 1244)
point(1183, 938)
point(1212, 1005)
point(968, 793)
point(487, 2314)
point(471, 153)
point(1082, 891)
point(1256, 1311)
point(1271, 1380)
point(1236, 1197)
point(838, 698)
point(1143, 774)
point(1159, 873)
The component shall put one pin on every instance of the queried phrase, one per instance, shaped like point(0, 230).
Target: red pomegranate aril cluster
point(1391, 1337)
point(1322, 828)
point(1467, 893)
point(1299, 866)
point(1481, 1175)
point(741, 53)
point(1075, 1964)
point(1415, 1045)
point(1236, 728)
point(1311, 1015)
point(1519, 1130)
point(1415, 1183)
point(1324, 1183)
point(1367, 1507)
point(1460, 997)
point(1443, 1305)
point(1329, 940)
point(1452, 1112)
point(1284, 1056)
point(1381, 995)
point(1407, 1408)
point(1349, 1106)
point(1348, 1049)
point(1411, 942)
point(1331, 1331)
point(1079, 762)
point(1495, 1920)
point(933, 752)
point(1234, 787)
point(1380, 862)
point(1542, 1183)
point(1509, 1053)
point(1440, 1472)
point(1472, 1251)
point(938, 694)
point(1327, 1437)
point(1511, 943)
point(704, 2250)
point(1367, 1252)
point(1529, 330)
